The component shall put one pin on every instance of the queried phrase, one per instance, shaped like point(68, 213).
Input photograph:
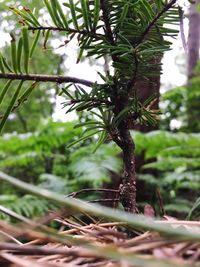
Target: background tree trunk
point(193, 39)
point(193, 99)
point(147, 88)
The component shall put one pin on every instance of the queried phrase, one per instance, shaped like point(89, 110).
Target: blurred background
point(33, 146)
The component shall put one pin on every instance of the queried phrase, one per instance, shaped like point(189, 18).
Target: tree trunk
point(193, 112)
point(193, 39)
point(49, 164)
point(122, 137)
point(146, 89)
point(128, 187)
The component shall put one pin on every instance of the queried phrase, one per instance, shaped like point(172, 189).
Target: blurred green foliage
point(182, 104)
point(43, 158)
point(43, 97)
point(173, 168)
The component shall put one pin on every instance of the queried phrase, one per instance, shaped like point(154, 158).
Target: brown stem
point(107, 30)
point(86, 190)
point(106, 19)
point(103, 200)
point(68, 30)
point(122, 137)
point(37, 250)
point(128, 186)
point(45, 78)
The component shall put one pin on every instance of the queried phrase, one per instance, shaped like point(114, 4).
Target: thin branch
point(94, 101)
point(97, 36)
point(13, 214)
point(165, 9)
point(147, 30)
point(104, 200)
point(86, 190)
point(107, 29)
point(38, 250)
point(106, 19)
point(45, 78)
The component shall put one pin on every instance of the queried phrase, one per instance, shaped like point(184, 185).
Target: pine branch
point(94, 101)
point(45, 78)
point(107, 29)
point(131, 83)
point(153, 22)
point(165, 9)
point(106, 19)
point(94, 35)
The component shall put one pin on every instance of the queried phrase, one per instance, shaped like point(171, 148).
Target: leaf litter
point(98, 243)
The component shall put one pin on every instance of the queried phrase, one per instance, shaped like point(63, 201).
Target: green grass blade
point(85, 13)
point(2, 65)
point(133, 220)
point(46, 38)
point(83, 138)
point(73, 14)
point(19, 54)
point(27, 19)
point(195, 206)
point(103, 137)
point(55, 13)
point(4, 90)
point(13, 53)
point(34, 43)
point(62, 15)
point(25, 95)
point(96, 13)
point(80, 54)
point(51, 13)
point(11, 105)
point(30, 13)
point(123, 16)
point(6, 64)
point(26, 48)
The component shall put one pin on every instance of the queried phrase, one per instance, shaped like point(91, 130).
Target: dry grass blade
point(18, 261)
point(134, 221)
point(11, 237)
point(102, 251)
point(102, 243)
point(177, 222)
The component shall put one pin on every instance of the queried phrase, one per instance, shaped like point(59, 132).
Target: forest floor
point(98, 243)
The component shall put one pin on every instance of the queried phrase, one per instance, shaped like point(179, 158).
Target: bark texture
point(193, 39)
point(128, 187)
point(193, 113)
